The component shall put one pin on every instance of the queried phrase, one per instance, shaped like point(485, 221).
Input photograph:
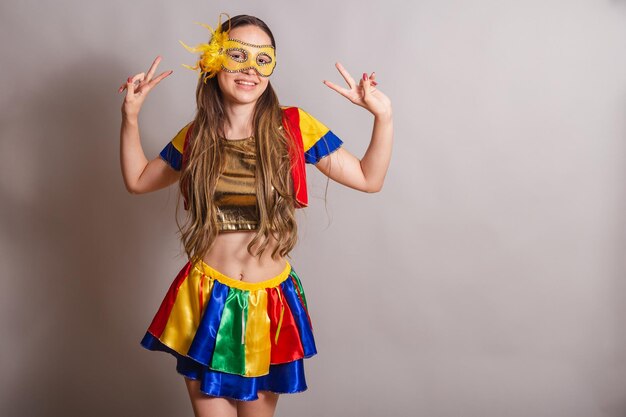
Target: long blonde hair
point(204, 164)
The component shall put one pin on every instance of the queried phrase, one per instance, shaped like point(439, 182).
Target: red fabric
point(289, 347)
point(291, 124)
point(160, 319)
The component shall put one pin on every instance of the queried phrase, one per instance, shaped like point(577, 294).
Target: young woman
point(236, 316)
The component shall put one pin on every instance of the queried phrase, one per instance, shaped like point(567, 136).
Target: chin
point(243, 98)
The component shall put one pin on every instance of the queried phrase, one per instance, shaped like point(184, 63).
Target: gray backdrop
point(485, 280)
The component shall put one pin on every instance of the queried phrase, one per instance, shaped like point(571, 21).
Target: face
point(239, 80)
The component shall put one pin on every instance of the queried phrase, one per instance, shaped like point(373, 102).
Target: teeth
point(244, 82)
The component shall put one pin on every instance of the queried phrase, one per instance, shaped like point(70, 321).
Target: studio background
point(486, 279)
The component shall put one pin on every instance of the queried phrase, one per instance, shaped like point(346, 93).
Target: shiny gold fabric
point(235, 195)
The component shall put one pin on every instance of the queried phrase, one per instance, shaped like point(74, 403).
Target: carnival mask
point(232, 55)
point(241, 56)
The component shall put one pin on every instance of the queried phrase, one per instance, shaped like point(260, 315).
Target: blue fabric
point(203, 344)
point(326, 145)
point(172, 156)
point(301, 317)
point(284, 378)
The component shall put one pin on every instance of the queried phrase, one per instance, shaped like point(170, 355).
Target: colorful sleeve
point(317, 139)
point(173, 151)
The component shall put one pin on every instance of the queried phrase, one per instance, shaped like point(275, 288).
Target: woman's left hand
point(364, 94)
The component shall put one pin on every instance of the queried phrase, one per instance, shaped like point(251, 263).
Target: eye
point(237, 55)
point(263, 59)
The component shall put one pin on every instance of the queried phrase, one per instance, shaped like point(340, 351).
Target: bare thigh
point(263, 407)
point(207, 406)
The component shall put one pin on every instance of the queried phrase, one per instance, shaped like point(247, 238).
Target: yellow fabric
point(257, 335)
point(185, 316)
point(243, 285)
point(282, 313)
point(311, 128)
point(179, 139)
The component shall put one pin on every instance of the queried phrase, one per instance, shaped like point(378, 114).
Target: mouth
point(246, 83)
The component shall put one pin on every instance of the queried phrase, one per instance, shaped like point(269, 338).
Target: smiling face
point(244, 86)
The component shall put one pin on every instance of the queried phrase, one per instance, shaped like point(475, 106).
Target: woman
point(236, 316)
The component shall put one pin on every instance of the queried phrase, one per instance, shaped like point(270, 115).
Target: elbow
point(129, 184)
point(373, 188)
point(132, 189)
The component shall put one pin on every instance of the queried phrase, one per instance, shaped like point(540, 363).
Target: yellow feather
point(212, 53)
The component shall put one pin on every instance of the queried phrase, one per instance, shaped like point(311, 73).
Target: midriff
point(229, 255)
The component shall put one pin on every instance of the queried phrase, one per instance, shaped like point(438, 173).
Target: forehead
point(250, 34)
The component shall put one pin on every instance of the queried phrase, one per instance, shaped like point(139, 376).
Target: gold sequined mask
point(241, 56)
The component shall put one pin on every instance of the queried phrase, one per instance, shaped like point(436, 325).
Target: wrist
point(384, 116)
point(130, 119)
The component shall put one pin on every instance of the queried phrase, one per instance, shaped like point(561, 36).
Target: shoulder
point(179, 140)
point(299, 114)
point(307, 126)
point(318, 140)
point(173, 152)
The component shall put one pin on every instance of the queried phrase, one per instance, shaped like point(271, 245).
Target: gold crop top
point(235, 193)
point(235, 197)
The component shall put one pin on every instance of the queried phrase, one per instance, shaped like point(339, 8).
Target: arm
point(367, 174)
point(140, 175)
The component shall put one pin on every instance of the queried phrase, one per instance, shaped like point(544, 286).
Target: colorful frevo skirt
point(235, 337)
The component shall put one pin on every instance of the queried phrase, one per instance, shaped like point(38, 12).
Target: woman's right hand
point(138, 87)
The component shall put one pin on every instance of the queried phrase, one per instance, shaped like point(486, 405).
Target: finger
point(346, 76)
point(365, 84)
point(123, 86)
point(153, 67)
point(372, 78)
point(160, 77)
point(137, 79)
point(337, 88)
point(130, 85)
point(139, 82)
point(130, 88)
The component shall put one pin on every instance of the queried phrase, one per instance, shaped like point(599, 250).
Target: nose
point(251, 71)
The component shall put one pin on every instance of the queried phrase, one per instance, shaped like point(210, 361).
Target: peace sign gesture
point(137, 88)
point(364, 93)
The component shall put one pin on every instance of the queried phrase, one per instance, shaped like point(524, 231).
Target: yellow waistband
point(204, 268)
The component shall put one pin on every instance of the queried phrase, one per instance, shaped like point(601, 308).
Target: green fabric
point(299, 284)
point(230, 354)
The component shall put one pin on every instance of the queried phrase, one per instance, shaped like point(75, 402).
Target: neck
point(238, 120)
